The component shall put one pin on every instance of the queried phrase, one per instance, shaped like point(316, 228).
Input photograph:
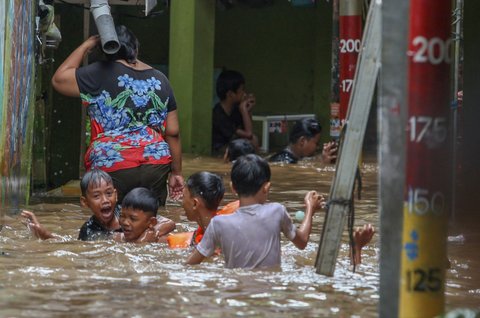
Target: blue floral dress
point(128, 111)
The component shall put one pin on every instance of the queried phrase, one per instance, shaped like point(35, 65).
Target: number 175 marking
point(434, 128)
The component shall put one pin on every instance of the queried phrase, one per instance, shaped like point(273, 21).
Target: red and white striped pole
point(428, 165)
point(349, 48)
point(350, 37)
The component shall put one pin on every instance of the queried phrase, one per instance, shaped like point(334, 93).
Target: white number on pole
point(420, 202)
point(349, 45)
point(347, 85)
point(432, 128)
point(433, 51)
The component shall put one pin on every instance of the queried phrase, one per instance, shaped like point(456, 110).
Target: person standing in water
point(135, 134)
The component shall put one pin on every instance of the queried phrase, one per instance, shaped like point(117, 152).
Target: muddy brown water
point(65, 277)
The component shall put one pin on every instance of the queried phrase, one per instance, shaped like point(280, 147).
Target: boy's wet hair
point(207, 186)
point(128, 45)
point(249, 173)
point(94, 177)
point(141, 199)
point(239, 147)
point(307, 127)
point(227, 81)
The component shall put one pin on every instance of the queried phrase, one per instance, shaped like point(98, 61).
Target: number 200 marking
point(349, 45)
point(434, 50)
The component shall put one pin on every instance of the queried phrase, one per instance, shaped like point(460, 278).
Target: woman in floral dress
point(133, 117)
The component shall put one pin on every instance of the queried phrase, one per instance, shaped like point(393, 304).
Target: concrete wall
point(17, 69)
point(284, 53)
point(64, 113)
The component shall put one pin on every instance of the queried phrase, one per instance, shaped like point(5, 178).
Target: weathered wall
point(284, 53)
point(17, 69)
point(64, 113)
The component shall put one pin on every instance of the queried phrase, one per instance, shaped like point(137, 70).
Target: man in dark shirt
point(232, 116)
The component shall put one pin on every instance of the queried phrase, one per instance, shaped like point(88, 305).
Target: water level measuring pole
point(349, 43)
point(349, 48)
point(428, 165)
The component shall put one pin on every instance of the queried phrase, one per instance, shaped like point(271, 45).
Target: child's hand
point(31, 222)
point(329, 152)
point(363, 235)
point(314, 201)
point(247, 103)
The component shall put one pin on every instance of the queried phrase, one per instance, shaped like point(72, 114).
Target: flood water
point(65, 277)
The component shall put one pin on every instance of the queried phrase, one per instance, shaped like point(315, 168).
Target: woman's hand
point(91, 43)
point(64, 80)
point(175, 186)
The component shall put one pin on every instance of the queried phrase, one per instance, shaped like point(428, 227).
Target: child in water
point(250, 237)
point(99, 195)
point(202, 195)
point(304, 139)
point(237, 148)
point(139, 218)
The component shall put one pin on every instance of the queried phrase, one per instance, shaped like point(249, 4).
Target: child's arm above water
point(329, 152)
point(195, 258)
point(158, 234)
point(164, 226)
point(31, 222)
point(361, 237)
point(313, 202)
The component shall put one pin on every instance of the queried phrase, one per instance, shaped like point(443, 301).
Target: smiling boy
point(99, 195)
point(139, 218)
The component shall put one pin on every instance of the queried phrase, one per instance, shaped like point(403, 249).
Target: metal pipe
point(105, 26)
